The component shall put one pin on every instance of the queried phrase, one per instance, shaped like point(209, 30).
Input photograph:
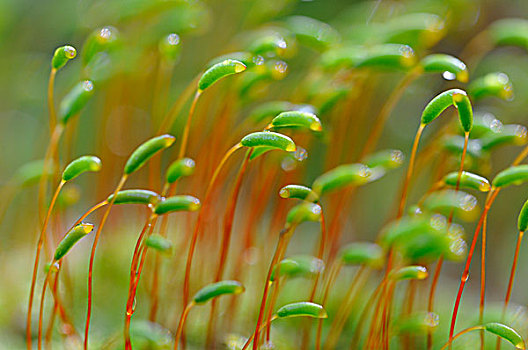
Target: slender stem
point(510, 282)
point(36, 263)
point(41, 310)
point(198, 226)
point(483, 278)
point(56, 304)
point(410, 170)
point(449, 343)
point(185, 135)
point(250, 339)
point(465, 275)
point(92, 258)
point(51, 105)
point(277, 256)
point(226, 238)
point(169, 118)
point(181, 323)
point(334, 272)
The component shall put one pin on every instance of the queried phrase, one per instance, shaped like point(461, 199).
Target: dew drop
point(300, 154)
point(468, 202)
point(438, 222)
point(449, 75)
point(173, 39)
point(288, 164)
point(496, 126)
point(431, 319)
point(258, 60)
point(87, 85)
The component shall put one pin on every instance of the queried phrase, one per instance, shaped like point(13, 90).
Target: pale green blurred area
point(30, 30)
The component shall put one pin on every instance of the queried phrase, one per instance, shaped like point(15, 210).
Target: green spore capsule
point(342, 57)
point(303, 308)
point(297, 119)
point(269, 139)
point(62, 55)
point(522, 222)
point(217, 289)
point(269, 45)
point(304, 212)
point(159, 243)
point(71, 238)
point(415, 29)
point(465, 110)
point(515, 175)
point(30, 173)
point(387, 159)
point(53, 266)
point(404, 229)
point(468, 180)
point(75, 100)
point(414, 272)
point(509, 31)
point(177, 203)
point(219, 71)
point(388, 56)
point(419, 323)
point(313, 33)
point(135, 197)
point(462, 204)
point(447, 64)
point(170, 47)
point(247, 58)
point(363, 253)
point(341, 176)
point(179, 168)
point(428, 246)
point(298, 266)
point(493, 84)
point(512, 134)
point(298, 192)
point(259, 151)
point(506, 333)
point(103, 39)
point(146, 150)
point(81, 165)
point(485, 124)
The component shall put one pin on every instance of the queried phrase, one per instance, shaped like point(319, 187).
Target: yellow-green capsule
point(170, 47)
point(441, 63)
point(177, 203)
point(146, 150)
point(441, 102)
point(219, 71)
point(298, 192)
point(179, 168)
point(514, 175)
point(415, 29)
point(511, 134)
point(72, 237)
point(81, 165)
point(304, 212)
point(506, 333)
point(342, 57)
point(465, 110)
point(75, 100)
point(297, 119)
point(509, 31)
point(404, 229)
point(363, 253)
point(389, 56)
point(298, 266)
point(217, 289)
point(428, 246)
point(463, 205)
point(414, 272)
point(387, 159)
point(247, 58)
point(159, 243)
point(522, 222)
point(138, 196)
point(341, 176)
point(62, 55)
point(313, 33)
point(269, 139)
point(467, 180)
point(418, 323)
point(103, 39)
point(493, 84)
point(303, 308)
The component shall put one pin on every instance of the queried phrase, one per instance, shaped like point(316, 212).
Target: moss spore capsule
point(72, 237)
point(179, 168)
point(304, 212)
point(62, 55)
point(363, 253)
point(269, 139)
point(514, 175)
point(409, 272)
point(75, 100)
point(298, 192)
point(81, 165)
point(135, 196)
point(217, 289)
point(177, 203)
point(341, 176)
point(297, 119)
point(159, 243)
point(468, 180)
point(303, 308)
point(440, 63)
point(146, 150)
point(219, 71)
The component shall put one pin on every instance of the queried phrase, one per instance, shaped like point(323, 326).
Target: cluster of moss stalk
point(232, 166)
